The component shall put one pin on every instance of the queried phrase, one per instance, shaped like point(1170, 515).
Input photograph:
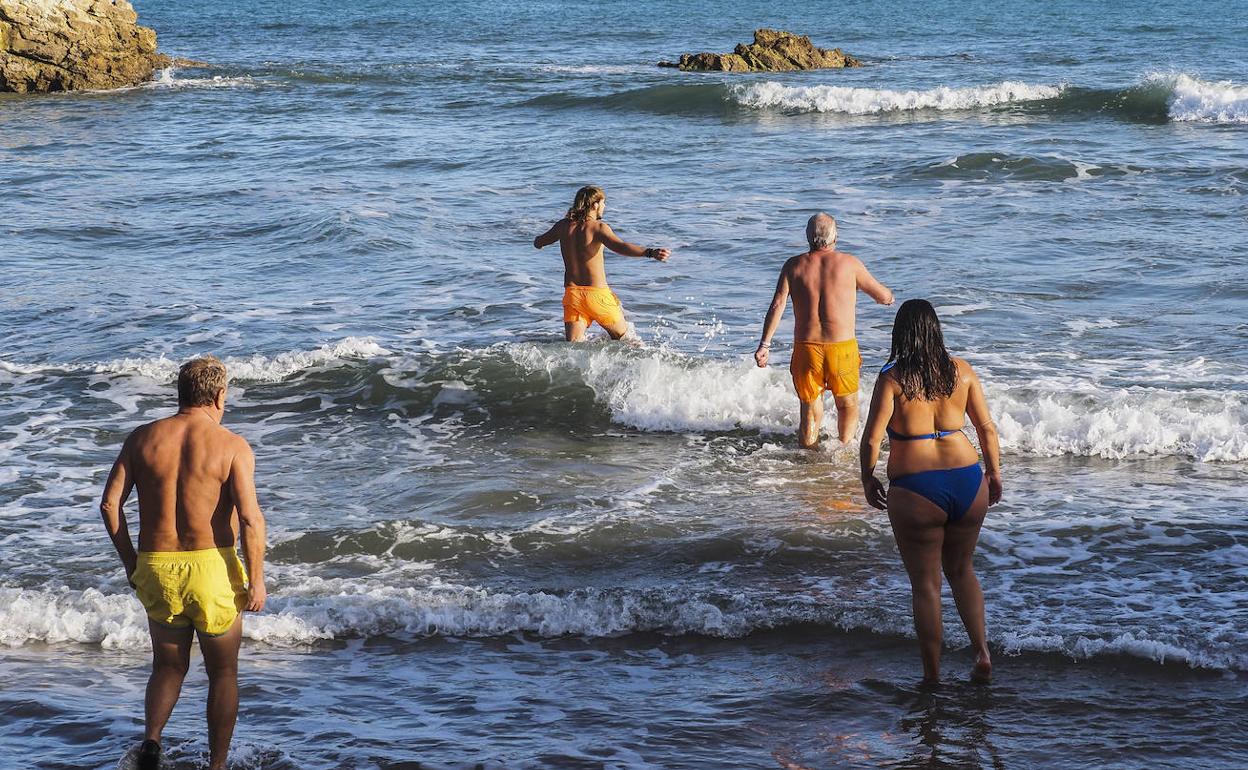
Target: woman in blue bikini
point(937, 494)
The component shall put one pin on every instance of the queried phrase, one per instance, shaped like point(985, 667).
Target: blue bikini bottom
point(953, 490)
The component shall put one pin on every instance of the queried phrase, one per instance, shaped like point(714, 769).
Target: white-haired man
point(824, 284)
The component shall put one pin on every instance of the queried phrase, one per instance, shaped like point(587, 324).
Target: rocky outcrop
point(771, 51)
point(66, 45)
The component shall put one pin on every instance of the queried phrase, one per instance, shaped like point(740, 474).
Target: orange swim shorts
point(592, 303)
point(820, 366)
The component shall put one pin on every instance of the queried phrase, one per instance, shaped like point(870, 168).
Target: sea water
point(489, 547)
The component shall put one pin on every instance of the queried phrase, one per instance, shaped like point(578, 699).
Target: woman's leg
point(919, 527)
point(958, 556)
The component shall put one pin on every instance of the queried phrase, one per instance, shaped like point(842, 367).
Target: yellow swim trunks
point(592, 303)
point(205, 589)
point(819, 366)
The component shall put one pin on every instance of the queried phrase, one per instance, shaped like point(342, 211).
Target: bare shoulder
point(965, 372)
point(231, 444)
point(850, 259)
point(886, 385)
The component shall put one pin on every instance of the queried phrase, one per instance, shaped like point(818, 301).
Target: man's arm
point(548, 237)
point(251, 520)
point(774, 314)
point(116, 491)
point(620, 246)
point(873, 288)
point(872, 436)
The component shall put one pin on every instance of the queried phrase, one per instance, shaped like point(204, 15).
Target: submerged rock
point(772, 51)
point(66, 45)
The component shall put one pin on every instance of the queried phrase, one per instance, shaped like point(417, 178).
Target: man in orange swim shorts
point(582, 235)
point(824, 284)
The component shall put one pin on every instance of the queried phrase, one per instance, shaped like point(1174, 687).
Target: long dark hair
point(921, 365)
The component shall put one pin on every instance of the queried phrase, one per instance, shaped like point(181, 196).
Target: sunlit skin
point(927, 542)
point(581, 244)
point(195, 481)
point(823, 284)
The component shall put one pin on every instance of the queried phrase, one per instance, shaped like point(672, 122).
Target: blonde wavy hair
point(200, 380)
point(586, 198)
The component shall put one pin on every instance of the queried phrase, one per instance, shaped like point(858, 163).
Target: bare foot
point(981, 672)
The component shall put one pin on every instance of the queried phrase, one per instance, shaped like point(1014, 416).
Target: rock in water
point(65, 45)
point(771, 51)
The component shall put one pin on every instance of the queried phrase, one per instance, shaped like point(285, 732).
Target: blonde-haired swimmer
point(824, 284)
point(196, 488)
point(582, 235)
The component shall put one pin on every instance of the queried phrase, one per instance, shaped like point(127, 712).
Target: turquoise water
point(488, 545)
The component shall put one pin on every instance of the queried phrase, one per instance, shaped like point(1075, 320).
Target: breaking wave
point(872, 101)
point(1157, 98)
point(323, 610)
point(664, 391)
point(257, 368)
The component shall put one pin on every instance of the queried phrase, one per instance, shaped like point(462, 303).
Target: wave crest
point(872, 101)
point(323, 610)
point(1194, 100)
point(258, 369)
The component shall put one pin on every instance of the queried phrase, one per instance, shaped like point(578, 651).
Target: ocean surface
point(490, 548)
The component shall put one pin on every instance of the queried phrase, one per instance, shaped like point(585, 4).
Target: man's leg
point(574, 331)
point(847, 417)
point(617, 328)
point(171, 657)
point(812, 421)
point(221, 663)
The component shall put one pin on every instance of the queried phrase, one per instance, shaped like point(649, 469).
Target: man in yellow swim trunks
point(824, 284)
point(582, 235)
point(196, 488)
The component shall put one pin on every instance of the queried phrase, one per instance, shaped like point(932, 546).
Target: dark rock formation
point(65, 45)
point(771, 51)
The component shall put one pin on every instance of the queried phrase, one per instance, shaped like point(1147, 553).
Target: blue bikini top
point(895, 436)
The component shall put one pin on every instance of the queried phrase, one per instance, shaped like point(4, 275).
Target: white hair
point(821, 231)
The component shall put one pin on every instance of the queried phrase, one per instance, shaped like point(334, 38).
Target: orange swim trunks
point(592, 303)
point(820, 366)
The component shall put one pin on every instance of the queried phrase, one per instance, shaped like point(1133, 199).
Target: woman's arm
point(872, 436)
point(977, 410)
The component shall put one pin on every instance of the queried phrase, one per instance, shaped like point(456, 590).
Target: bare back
point(824, 288)
point(181, 466)
point(581, 247)
point(916, 417)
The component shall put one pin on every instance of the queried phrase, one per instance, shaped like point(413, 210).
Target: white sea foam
point(1201, 101)
point(869, 101)
point(1067, 416)
point(252, 369)
point(166, 78)
point(319, 610)
point(664, 391)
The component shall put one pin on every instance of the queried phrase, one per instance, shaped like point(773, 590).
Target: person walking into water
point(938, 494)
point(823, 283)
point(196, 488)
point(586, 296)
